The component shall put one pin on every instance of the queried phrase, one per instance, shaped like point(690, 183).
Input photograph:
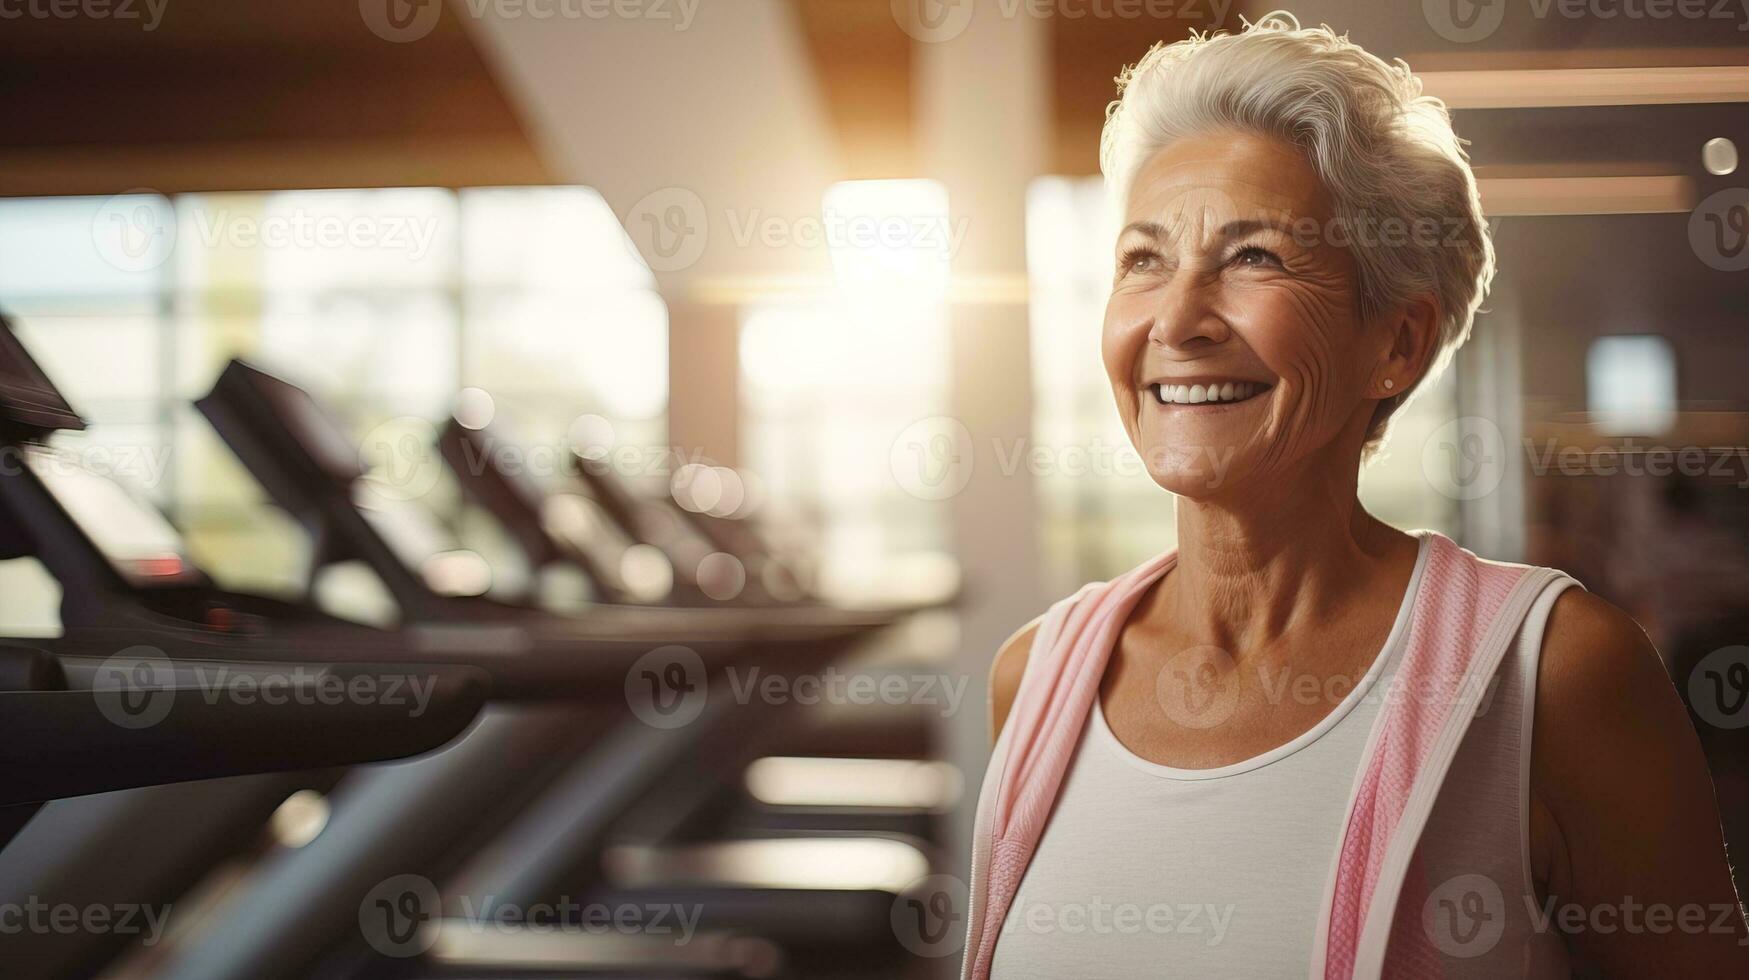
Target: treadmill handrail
point(56, 744)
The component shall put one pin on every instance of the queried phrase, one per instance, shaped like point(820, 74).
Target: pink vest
point(1465, 615)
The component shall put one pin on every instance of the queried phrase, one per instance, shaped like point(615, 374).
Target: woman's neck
point(1290, 554)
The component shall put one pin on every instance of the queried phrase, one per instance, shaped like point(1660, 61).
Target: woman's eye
point(1138, 260)
point(1255, 256)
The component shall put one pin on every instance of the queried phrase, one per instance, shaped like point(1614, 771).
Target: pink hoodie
point(1465, 615)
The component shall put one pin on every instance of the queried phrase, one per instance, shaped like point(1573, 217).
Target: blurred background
point(836, 267)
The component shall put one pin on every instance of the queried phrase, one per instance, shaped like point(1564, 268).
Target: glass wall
point(831, 380)
point(384, 303)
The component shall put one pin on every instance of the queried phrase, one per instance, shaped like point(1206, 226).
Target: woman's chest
point(1220, 876)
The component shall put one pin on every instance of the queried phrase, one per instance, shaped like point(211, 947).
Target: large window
point(830, 381)
point(384, 303)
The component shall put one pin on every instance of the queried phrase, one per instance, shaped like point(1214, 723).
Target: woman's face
point(1231, 335)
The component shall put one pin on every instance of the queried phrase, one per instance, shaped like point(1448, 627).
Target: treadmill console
point(134, 538)
point(30, 405)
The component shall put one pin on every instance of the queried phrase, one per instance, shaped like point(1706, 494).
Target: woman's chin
point(1192, 470)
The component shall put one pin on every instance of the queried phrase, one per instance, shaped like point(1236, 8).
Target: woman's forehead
point(1221, 177)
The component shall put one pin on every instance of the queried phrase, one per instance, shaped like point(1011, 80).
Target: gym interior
point(523, 488)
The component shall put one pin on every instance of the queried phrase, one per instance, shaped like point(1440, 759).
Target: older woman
point(1308, 741)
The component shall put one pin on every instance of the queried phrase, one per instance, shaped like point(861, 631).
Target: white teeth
point(1228, 391)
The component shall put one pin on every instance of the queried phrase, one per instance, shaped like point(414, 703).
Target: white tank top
point(1151, 871)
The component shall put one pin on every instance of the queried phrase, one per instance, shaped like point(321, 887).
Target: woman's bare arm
point(1626, 832)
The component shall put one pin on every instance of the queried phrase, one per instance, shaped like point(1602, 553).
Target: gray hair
point(1395, 169)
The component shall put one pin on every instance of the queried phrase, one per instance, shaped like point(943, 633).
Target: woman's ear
point(1413, 336)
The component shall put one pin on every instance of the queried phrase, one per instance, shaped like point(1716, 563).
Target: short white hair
point(1395, 170)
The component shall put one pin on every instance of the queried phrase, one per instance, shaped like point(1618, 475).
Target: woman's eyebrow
point(1237, 228)
point(1151, 229)
point(1245, 226)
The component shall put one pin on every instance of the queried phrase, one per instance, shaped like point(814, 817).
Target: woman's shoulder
point(1007, 670)
point(1595, 658)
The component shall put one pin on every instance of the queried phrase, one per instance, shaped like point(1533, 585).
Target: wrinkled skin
point(1215, 274)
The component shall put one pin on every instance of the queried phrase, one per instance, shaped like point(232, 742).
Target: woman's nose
point(1185, 318)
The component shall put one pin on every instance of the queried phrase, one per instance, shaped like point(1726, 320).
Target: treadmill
point(311, 470)
point(588, 525)
point(127, 581)
point(102, 711)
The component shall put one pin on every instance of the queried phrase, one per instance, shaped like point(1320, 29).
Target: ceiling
point(254, 94)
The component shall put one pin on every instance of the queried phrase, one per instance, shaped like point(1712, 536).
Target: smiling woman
point(1277, 722)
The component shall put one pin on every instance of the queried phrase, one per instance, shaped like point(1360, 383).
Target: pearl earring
point(1389, 384)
